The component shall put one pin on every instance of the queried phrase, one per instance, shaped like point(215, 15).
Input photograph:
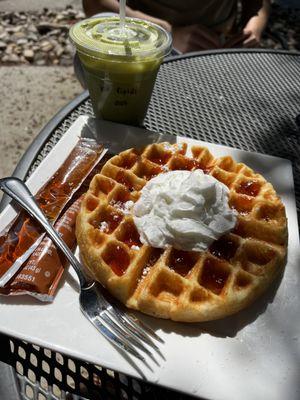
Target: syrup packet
point(24, 235)
point(42, 272)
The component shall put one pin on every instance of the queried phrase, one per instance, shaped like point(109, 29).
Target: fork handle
point(18, 191)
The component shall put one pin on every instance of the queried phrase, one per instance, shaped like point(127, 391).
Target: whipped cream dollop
point(184, 209)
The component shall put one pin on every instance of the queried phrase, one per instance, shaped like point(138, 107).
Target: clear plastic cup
point(120, 64)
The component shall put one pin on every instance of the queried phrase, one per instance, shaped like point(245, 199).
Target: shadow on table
point(119, 137)
point(21, 300)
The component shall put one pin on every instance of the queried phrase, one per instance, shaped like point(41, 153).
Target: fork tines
point(129, 330)
point(123, 329)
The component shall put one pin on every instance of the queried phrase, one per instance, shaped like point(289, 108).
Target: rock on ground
point(29, 98)
point(39, 38)
point(36, 5)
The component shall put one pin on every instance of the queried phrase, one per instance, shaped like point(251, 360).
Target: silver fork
point(123, 330)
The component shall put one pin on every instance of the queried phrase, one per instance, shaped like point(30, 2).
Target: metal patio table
point(248, 99)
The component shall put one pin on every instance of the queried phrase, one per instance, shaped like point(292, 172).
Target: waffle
point(170, 283)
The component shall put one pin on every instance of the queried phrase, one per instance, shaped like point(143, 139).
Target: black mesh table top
point(244, 99)
point(248, 99)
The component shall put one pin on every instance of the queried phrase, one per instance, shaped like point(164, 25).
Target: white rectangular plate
point(252, 355)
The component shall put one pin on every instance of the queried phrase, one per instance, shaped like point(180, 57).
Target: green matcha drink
point(120, 64)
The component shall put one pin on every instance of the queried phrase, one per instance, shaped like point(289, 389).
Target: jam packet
point(41, 273)
point(24, 235)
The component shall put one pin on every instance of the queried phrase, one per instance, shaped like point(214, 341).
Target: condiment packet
point(41, 274)
point(24, 235)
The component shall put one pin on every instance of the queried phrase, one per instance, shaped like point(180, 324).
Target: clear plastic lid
point(104, 37)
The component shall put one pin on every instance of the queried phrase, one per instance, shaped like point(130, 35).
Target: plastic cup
point(120, 64)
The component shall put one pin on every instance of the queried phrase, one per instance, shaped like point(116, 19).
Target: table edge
point(230, 51)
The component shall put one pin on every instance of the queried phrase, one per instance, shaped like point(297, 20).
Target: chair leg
point(5, 354)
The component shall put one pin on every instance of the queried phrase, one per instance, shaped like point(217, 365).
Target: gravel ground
point(29, 97)
point(285, 21)
point(34, 5)
point(41, 37)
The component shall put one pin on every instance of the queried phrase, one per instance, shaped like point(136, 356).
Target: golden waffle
point(180, 285)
